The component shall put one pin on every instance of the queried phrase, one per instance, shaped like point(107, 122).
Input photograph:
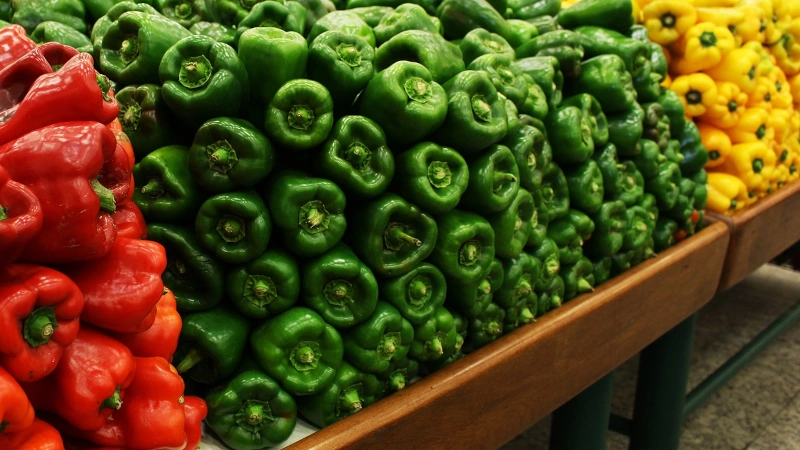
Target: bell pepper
point(434, 176)
point(344, 21)
point(20, 217)
point(602, 270)
point(673, 151)
point(401, 372)
point(104, 22)
point(551, 296)
point(266, 286)
point(564, 45)
point(134, 45)
point(251, 411)
point(632, 184)
point(695, 155)
point(228, 12)
point(152, 415)
point(665, 233)
point(512, 226)
point(161, 339)
point(554, 193)
point(535, 102)
point(625, 131)
point(546, 73)
point(476, 115)
point(508, 79)
point(697, 92)
point(729, 18)
point(16, 412)
point(569, 234)
point(211, 344)
point(667, 20)
point(673, 108)
point(726, 193)
point(779, 121)
point(615, 97)
point(702, 47)
point(578, 278)
point(203, 79)
point(700, 191)
point(286, 17)
point(533, 153)
point(585, 184)
point(752, 127)
point(405, 17)
point(641, 221)
point(664, 186)
point(785, 49)
point(761, 97)
point(738, 67)
point(14, 38)
point(472, 299)
point(569, 127)
point(185, 12)
point(494, 181)
point(531, 9)
point(300, 115)
point(195, 411)
point(434, 338)
point(234, 226)
point(405, 101)
point(684, 207)
point(656, 126)
point(349, 392)
point(611, 170)
point(168, 192)
point(598, 41)
point(339, 287)
point(299, 350)
point(479, 42)
point(747, 161)
point(649, 160)
point(146, 119)
point(549, 255)
point(29, 14)
point(485, 327)
point(591, 110)
point(309, 212)
point(416, 294)
point(193, 275)
point(216, 31)
point(129, 221)
point(343, 63)
point(101, 366)
point(539, 221)
point(465, 246)
point(729, 106)
point(615, 15)
point(610, 227)
point(372, 15)
point(716, 142)
point(38, 436)
point(50, 31)
point(459, 17)
point(517, 292)
point(372, 345)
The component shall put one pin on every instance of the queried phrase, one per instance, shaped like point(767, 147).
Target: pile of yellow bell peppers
point(735, 64)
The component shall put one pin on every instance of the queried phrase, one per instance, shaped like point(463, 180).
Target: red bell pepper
point(20, 217)
point(39, 436)
point(89, 383)
point(16, 412)
point(121, 289)
point(129, 221)
point(38, 317)
point(60, 164)
point(14, 43)
point(152, 416)
point(19, 76)
point(195, 410)
point(56, 54)
point(162, 338)
point(123, 140)
point(75, 92)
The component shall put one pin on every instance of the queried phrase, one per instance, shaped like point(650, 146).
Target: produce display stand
point(495, 393)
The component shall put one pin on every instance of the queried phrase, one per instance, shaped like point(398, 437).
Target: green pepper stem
point(485, 287)
point(396, 237)
point(305, 355)
point(195, 72)
point(358, 155)
point(524, 289)
point(114, 402)
point(3, 213)
point(105, 85)
point(493, 328)
point(193, 357)
point(501, 178)
point(584, 286)
point(350, 401)
point(389, 346)
point(221, 157)
point(551, 267)
point(129, 49)
point(758, 165)
point(417, 289)
point(107, 203)
point(300, 117)
point(254, 413)
point(349, 54)
point(40, 328)
point(154, 188)
point(469, 253)
point(435, 346)
point(555, 301)
point(397, 381)
point(526, 316)
point(231, 229)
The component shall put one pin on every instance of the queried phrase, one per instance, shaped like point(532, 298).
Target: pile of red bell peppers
point(87, 328)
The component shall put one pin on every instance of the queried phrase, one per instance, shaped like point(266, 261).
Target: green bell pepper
point(695, 155)
point(216, 31)
point(685, 205)
point(146, 120)
point(434, 338)
point(643, 253)
point(30, 13)
point(564, 45)
point(391, 235)
point(485, 327)
point(416, 294)
point(665, 185)
point(523, 312)
point(532, 152)
point(612, 14)
point(606, 78)
point(647, 83)
point(371, 345)
point(194, 276)
point(546, 73)
point(656, 125)
point(519, 281)
point(535, 102)
point(586, 188)
point(343, 63)
point(673, 108)
point(552, 296)
point(339, 287)
point(522, 30)
point(568, 126)
point(569, 233)
point(185, 12)
point(539, 223)
point(300, 115)
point(548, 253)
point(611, 170)
point(602, 270)
point(134, 45)
point(649, 160)
point(512, 226)
point(350, 391)
point(309, 211)
point(57, 32)
point(405, 101)
point(234, 226)
point(229, 154)
point(591, 109)
point(610, 228)
point(211, 344)
point(640, 227)
point(459, 17)
point(435, 177)
point(344, 21)
point(664, 234)
point(167, 190)
point(632, 184)
point(258, 47)
point(441, 58)
point(473, 298)
point(251, 411)
point(266, 286)
point(578, 278)
point(401, 372)
point(622, 262)
point(405, 17)
point(228, 12)
point(493, 181)
point(673, 151)
point(465, 246)
point(479, 42)
point(273, 14)
point(700, 190)
point(372, 15)
point(508, 79)
point(104, 22)
point(355, 157)
point(531, 9)
point(203, 79)
point(299, 350)
point(598, 41)
point(625, 131)
point(658, 60)
point(554, 193)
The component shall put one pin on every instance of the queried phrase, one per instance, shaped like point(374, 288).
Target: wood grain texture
point(492, 395)
point(760, 233)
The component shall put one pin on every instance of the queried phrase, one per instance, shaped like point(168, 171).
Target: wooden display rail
point(492, 395)
point(760, 233)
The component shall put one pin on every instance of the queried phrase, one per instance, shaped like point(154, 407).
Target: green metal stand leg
point(582, 423)
point(661, 389)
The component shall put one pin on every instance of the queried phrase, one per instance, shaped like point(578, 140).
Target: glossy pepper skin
point(129, 221)
point(256, 46)
point(649, 160)
point(20, 217)
point(592, 111)
point(161, 339)
point(16, 412)
point(512, 226)
point(30, 14)
point(476, 115)
point(569, 127)
point(632, 184)
point(610, 227)
point(134, 45)
point(416, 294)
point(598, 41)
point(309, 212)
point(612, 14)
point(203, 79)
point(664, 234)
point(615, 97)
point(39, 435)
point(343, 63)
point(434, 338)
point(166, 190)
point(551, 296)
point(441, 57)
point(485, 327)
point(373, 344)
point(391, 235)
point(404, 17)
point(459, 17)
point(186, 13)
point(194, 276)
point(586, 187)
point(656, 126)
point(356, 157)
point(625, 131)
point(344, 21)
point(533, 153)
point(350, 391)
point(146, 119)
point(299, 350)
point(266, 286)
point(564, 45)
point(251, 411)
point(493, 181)
point(546, 73)
point(465, 246)
point(695, 155)
point(273, 15)
point(15, 39)
point(300, 115)
point(608, 162)
point(434, 176)
point(664, 186)
point(507, 78)
point(517, 292)
point(480, 42)
point(405, 101)
point(101, 366)
point(103, 23)
point(578, 278)
point(81, 152)
point(195, 411)
point(548, 254)
point(211, 344)
point(569, 233)
point(472, 299)
point(234, 226)
point(553, 198)
point(217, 31)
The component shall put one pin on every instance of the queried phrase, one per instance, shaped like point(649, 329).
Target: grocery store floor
point(760, 408)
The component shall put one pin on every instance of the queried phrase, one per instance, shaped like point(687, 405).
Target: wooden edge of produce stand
point(760, 233)
point(495, 393)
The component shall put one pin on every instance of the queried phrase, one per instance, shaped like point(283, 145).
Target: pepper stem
point(524, 289)
point(105, 85)
point(195, 72)
point(358, 155)
point(395, 237)
point(183, 10)
point(397, 381)
point(3, 213)
point(300, 117)
point(388, 346)
point(107, 203)
point(526, 316)
point(417, 289)
point(439, 174)
point(481, 108)
point(584, 286)
point(129, 49)
point(435, 346)
point(349, 54)
point(485, 287)
point(493, 328)
point(668, 20)
point(305, 356)
point(39, 326)
point(314, 218)
point(259, 290)
point(501, 178)
point(221, 156)
point(193, 357)
point(231, 229)
point(551, 266)
point(350, 401)
point(758, 165)
point(418, 89)
point(114, 402)
point(154, 188)
point(338, 292)
point(254, 413)
point(555, 301)
point(713, 155)
point(469, 253)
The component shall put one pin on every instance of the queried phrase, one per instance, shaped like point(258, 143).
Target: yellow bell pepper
point(794, 123)
point(779, 121)
point(726, 193)
point(794, 88)
point(761, 97)
point(781, 14)
point(768, 26)
point(642, 3)
point(667, 20)
point(727, 110)
point(739, 67)
point(753, 26)
point(752, 127)
point(782, 98)
point(667, 81)
point(780, 177)
point(702, 47)
point(696, 91)
point(747, 161)
point(794, 165)
point(765, 64)
point(729, 18)
point(637, 12)
point(768, 172)
point(716, 142)
point(787, 50)
point(713, 3)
